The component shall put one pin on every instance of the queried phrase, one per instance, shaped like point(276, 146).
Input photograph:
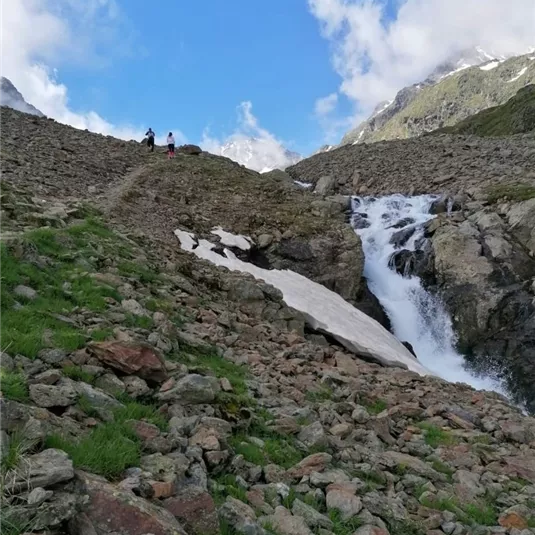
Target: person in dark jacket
point(150, 139)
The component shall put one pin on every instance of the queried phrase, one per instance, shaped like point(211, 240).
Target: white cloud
point(251, 145)
point(43, 35)
point(325, 105)
point(375, 59)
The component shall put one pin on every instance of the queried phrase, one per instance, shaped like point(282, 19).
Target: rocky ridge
point(147, 391)
point(452, 93)
point(10, 96)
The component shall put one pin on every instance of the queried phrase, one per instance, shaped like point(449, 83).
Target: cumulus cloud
point(45, 34)
point(375, 56)
point(325, 105)
point(250, 144)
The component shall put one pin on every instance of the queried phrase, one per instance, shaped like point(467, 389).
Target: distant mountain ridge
point(259, 154)
point(473, 81)
point(11, 97)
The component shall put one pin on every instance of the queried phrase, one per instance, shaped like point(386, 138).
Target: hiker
point(150, 139)
point(170, 145)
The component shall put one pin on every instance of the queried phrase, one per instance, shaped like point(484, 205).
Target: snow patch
point(519, 74)
point(232, 240)
point(305, 185)
point(490, 66)
point(324, 310)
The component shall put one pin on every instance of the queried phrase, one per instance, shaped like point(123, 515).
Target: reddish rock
point(131, 358)
point(256, 498)
point(316, 462)
point(195, 509)
point(521, 466)
point(512, 519)
point(168, 384)
point(112, 510)
point(144, 430)
point(162, 489)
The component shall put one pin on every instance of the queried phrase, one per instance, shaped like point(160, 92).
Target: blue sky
point(194, 62)
point(301, 72)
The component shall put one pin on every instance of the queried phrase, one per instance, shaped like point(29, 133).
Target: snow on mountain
point(370, 129)
point(12, 98)
point(259, 154)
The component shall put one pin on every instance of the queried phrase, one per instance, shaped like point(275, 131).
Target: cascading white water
point(416, 316)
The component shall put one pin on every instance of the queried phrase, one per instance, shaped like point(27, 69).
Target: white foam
point(233, 240)
point(323, 309)
point(416, 316)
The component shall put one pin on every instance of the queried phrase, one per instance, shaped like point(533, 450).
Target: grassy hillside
point(516, 116)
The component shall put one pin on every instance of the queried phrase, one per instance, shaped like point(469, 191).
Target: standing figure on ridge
point(150, 139)
point(170, 145)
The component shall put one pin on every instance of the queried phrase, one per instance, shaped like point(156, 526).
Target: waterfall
point(395, 223)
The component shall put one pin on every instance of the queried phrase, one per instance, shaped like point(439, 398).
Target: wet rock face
point(483, 272)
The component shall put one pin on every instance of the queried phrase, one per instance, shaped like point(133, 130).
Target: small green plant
point(375, 406)
point(18, 446)
point(77, 374)
point(99, 335)
point(482, 513)
point(14, 386)
point(343, 527)
point(228, 486)
point(324, 393)
point(435, 436)
point(443, 468)
point(141, 322)
point(85, 405)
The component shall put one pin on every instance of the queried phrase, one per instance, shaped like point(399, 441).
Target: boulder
point(192, 389)
point(195, 509)
point(192, 150)
point(325, 185)
point(111, 510)
point(61, 395)
point(131, 358)
point(240, 517)
point(43, 469)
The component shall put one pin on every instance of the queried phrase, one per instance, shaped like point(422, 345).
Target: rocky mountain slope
point(145, 390)
point(516, 116)
point(11, 97)
point(453, 92)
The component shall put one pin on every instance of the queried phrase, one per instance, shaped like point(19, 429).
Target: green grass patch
point(14, 386)
point(77, 374)
point(511, 192)
point(99, 335)
point(227, 486)
point(110, 447)
point(48, 260)
point(375, 406)
point(18, 446)
point(443, 468)
point(277, 449)
point(108, 450)
point(480, 512)
point(141, 322)
point(343, 527)
point(324, 393)
point(144, 274)
point(435, 436)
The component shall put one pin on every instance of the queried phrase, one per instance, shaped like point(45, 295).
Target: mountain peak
point(11, 97)
point(259, 154)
